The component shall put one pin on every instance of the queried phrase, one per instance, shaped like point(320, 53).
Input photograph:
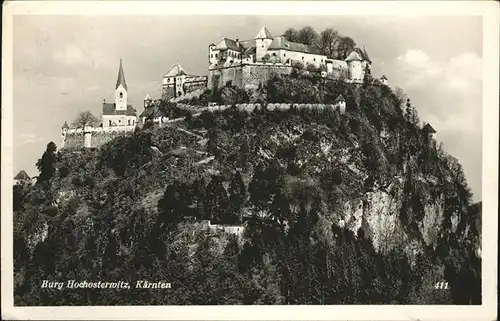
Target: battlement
point(340, 106)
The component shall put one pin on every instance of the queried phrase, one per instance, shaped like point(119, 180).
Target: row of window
point(129, 122)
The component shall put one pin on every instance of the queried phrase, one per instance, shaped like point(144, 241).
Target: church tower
point(121, 90)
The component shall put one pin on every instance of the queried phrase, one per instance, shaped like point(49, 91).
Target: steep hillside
point(356, 208)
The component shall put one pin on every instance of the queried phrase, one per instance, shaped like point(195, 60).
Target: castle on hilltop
point(249, 62)
point(118, 118)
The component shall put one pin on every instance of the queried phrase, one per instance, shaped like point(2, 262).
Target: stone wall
point(245, 75)
point(92, 137)
point(340, 106)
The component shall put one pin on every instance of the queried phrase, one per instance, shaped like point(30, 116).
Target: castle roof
point(353, 56)
point(264, 34)
point(249, 51)
point(362, 53)
point(110, 109)
point(153, 111)
point(339, 98)
point(65, 125)
point(121, 77)
point(428, 129)
point(227, 43)
point(176, 70)
point(383, 77)
point(282, 43)
point(22, 175)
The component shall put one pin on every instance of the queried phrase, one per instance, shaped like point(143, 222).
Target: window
point(314, 59)
point(302, 57)
point(121, 95)
point(109, 122)
point(274, 54)
point(211, 55)
point(284, 55)
point(216, 55)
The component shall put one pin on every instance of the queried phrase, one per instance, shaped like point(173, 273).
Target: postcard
point(249, 160)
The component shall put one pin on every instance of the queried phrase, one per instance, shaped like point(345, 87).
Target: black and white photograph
point(289, 157)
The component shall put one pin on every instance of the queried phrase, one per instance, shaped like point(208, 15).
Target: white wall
point(305, 58)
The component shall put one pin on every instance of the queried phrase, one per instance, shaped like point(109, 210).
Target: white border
point(489, 12)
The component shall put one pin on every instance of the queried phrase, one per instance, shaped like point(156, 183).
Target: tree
point(307, 36)
point(45, 164)
point(367, 78)
point(237, 195)
point(328, 42)
point(345, 46)
point(216, 202)
point(400, 96)
point(85, 118)
point(291, 35)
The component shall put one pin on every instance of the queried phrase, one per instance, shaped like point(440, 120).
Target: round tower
point(354, 67)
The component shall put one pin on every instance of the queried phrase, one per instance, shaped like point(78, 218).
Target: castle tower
point(121, 90)
point(354, 67)
point(383, 79)
point(262, 41)
point(64, 129)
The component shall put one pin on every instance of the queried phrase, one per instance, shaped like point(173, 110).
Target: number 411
point(441, 286)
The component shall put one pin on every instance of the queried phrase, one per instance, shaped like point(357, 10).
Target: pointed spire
point(65, 125)
point(383, 77)
point(264, 34)
point(121, 77)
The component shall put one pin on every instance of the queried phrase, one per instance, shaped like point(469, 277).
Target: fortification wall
point(254, 74)
point(340, 107)
point(245, 75)
point(92, 137)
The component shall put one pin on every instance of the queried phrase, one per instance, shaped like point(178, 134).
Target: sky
point(67, 64)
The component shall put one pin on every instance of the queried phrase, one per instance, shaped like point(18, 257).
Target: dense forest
point(359, 208)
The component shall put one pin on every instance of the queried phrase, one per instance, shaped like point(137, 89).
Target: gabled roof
point(227, 43)
point(110, 109)
point(121, 77)
point(153, 111)
point(176, 70)
point(249, 51)
point(264, 34)
point(428, 129)
point(65, 125)
point(339, 98)
point(353, 56)
point(383, 77)
point(282, 43)
point(22, 175)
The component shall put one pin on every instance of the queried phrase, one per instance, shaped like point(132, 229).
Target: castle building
point(249, 62)
point(22, 177)
point(119, 113)
point(176, 82)
point(383, 79)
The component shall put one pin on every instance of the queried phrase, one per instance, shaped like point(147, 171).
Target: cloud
point(70, 55)
point(29, 138)
point(458, 73)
